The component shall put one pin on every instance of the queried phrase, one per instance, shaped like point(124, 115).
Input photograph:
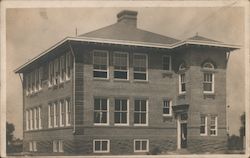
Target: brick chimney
point(127, 17)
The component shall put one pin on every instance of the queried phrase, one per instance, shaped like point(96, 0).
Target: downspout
point(24, 128)
point(73, 82)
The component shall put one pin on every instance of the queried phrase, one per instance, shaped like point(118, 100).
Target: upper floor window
point(100, 64)
point(140, 112)
point(51, 73)
point(208, 78)
point(33, 81)
point(167, 108)
point(203, 125)
point(68, 65)
point(62, 68)
point(140, 65)
point(121, 112)
point(182, 78)
point(56, 71)
point(120, 65)
point(166, 62)
point(101, 111)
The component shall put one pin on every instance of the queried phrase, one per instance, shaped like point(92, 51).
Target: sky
point(32, 31)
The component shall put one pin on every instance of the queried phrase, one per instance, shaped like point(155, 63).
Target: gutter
point(73, 89)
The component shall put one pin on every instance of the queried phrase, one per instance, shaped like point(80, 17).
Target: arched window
point(182, 78)
point(208, 78)
point(208, 66)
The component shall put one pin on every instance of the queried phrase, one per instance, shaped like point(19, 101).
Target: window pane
point(144, 145)
point(97, 117)
point(100, 58)
point(104, 117)
point(202, 129)
point(137, 105)
point(120, 60)
point(143, 118)
point(97, 104)
point(165, 110)
point(100, 74)
point(140, 76)
point(136, 118)
point(97, 145)
point(117, 117)
point(166, 63)
point(104, 104)
point(124, 117)
point(120, 75)
point(104, 145)
point(137, 145)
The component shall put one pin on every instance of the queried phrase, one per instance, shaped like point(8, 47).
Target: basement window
point(141, 145)
point(120, 65)
point(100, 64)
point(101, 146)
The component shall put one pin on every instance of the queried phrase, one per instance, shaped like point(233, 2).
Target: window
point(31, 119)
point(56, 114)
point(203, 125)
point(140, 112)
point(57, 146)
point(68, 65)
point(62, 113)
point(51, 115)
point(39, 118)
point(167, 108)
point(101, 111)
point(213, 126)
point(100, 64)
point(68, 112)
point(140, 66)
point(62, 68)
point(51, 73)
point(56, 71)
point(27, 84)
point(32, 146)
point(121, 112)
point(182, 79)
point(27, 119)
point(120, 65)
point(166, 62)
point(35, 118)
point(40, 78)
point(141, 145)
point(208, 78)
point(37, 80)
point(101, 146)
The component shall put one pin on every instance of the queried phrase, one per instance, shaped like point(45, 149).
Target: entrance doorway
point(183, 135)
point(182, 131)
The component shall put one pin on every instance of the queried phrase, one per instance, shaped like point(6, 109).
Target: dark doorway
point(183, 135)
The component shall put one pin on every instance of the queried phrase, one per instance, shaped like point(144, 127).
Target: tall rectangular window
point(208, 83)
point(120, 65)
point(121, 112)
point(31, 119)
point(62, 113)
point(27, 84)
point(166, 62)
point(167, 111)
point(35, 118)
point(101, 146)
point(51, 73)
point(68, 66)
point(55, 146)
point(56, 114)
point(33, 77)
point(213, 126)
point(56, 71)
point(100, 64)
point(27, 119)
point(140, 112)
point(62, 68)
point(30, 146)
point(68, 112)
point(51, 115)
point(182, 83)
point(39, 118)
point(141, 145)
point(37, 80)
point(40, 78)
point(140, 66)
point(203, 125)
point(101, 111)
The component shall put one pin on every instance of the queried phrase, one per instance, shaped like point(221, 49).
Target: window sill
point(121, 124)
point(120, 80)
point(140, 125)
point(95, 124)
point(101, 79)
point(167, 115)
point(141, 81)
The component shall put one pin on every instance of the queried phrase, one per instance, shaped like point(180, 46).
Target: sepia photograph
point(126, 80)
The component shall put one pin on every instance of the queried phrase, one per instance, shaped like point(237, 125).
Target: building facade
point(123, 90)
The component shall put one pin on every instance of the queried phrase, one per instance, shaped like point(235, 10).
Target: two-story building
point(124, 90)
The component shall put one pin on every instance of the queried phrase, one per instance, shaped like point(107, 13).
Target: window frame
point(62, 113)
point(101, 151)
point(140, 72)
point(51, 73)
point(68, 112)
point(170, 107)
point(208, 70)
point(114, 70)
point(68, 61)
point(127, 113)
point(101, 124)
point(27, 119)
point(51, 115)
point(140, 124)
point(182, 72)
point(39, 117)
point(99, 70)
point(205, 125)
point(170, 62)
point(141, 140)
